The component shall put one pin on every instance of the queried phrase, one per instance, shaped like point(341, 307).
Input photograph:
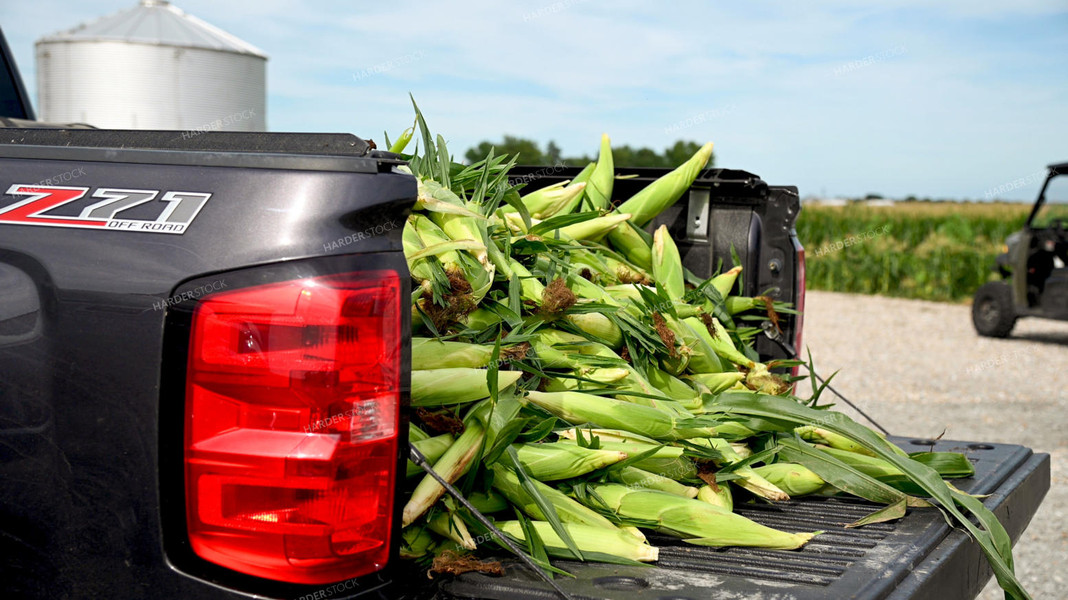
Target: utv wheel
point(993, 313)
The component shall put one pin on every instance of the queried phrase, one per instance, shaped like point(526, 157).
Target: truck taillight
point(800, 303)
point(291, 420)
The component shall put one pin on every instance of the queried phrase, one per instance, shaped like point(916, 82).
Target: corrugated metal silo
point(152, 67)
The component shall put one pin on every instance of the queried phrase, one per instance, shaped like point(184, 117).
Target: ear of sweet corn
point(696, 521)
point(818, 435)
point(672, 386)
point(718, 382)
point(749, 480)
point(599, 326)
point(636, 478)
point(582, 178)
point(667, 461)
point(724, 282)
point(431, 448)
point(599, 186)
point(549, 462)
point(579, 408)
point(667, 265)
point(553, 200)
point(718, 496)
point(568, 509)
point(442, 387)
point(432, 353)
point(593, 229)
point(592, 540)
point(665, 191)
point(449, 525)
point(628, 242)
point(416, 541)
point(451, 466)
point(488, 502)
point(605, 435)
point(791, 478)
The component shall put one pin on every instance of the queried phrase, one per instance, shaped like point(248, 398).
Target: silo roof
point(156, 22)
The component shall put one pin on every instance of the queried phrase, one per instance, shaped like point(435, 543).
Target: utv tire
point(993, 313)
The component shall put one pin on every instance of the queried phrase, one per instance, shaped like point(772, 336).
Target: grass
point(933, 251)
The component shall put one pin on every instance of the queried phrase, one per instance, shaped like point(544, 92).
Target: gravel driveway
point(919, 368)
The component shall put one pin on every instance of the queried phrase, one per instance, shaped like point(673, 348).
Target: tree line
point(530, 153)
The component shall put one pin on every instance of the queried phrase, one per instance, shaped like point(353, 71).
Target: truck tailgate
point(919, 556)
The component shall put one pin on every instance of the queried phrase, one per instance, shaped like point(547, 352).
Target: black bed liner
point(919, 556)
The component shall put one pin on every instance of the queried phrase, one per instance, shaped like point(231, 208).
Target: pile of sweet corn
point(578, 385)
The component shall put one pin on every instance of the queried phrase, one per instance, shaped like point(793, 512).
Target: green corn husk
point(449, 525)
point(628, 242)
point(415, 434)
point(416, 541)
point(667, 265)
point(549, 462)
point(636, 478)
point(579, 408)
point(532, 289)
point(443, 387)
point(606, 435)
point(593, 229)
point(599, 186)
point(761, 380)
point(432, 353)
point(600, 327)
point(723, 346)
point(718, 382)
point(481, 319)
point(590, 541)
point(451, 466)
point(488, 502)
point(582, 178)
point(818, 435)
point(461, 228)
point(793, 479)
point(724, 282)
point(740, 304)
point(431, 235)
point(718, 496)
point(750, 480)
point(673, 387)
point(695, 521)
point(567, 509)
point(667, 461)
point(665, 191)
point(553, 200)
point(431, 448)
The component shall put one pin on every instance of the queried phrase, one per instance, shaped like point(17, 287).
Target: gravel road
point(919, 368)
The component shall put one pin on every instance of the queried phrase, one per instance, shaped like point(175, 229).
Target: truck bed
point(916, 557)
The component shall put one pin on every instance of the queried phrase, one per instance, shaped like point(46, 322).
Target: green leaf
point(992, 538)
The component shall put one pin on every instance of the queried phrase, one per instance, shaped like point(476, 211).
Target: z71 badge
point(106, 208)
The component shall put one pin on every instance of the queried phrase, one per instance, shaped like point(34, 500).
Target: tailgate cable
point(775, 334)
point(420, 460)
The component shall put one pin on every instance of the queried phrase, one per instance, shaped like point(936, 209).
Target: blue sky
point(839, 98)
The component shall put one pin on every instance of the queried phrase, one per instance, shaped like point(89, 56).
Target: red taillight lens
point(292, 398)
point(800, 303)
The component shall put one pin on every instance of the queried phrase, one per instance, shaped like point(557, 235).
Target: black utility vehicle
point(145, 276)
point(1034, 266)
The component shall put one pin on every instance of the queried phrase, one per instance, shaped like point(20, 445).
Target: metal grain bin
point(152, 67)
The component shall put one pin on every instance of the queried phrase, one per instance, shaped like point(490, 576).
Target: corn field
point(933, 251)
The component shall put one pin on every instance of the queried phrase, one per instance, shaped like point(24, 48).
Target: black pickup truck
point(146, 276)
